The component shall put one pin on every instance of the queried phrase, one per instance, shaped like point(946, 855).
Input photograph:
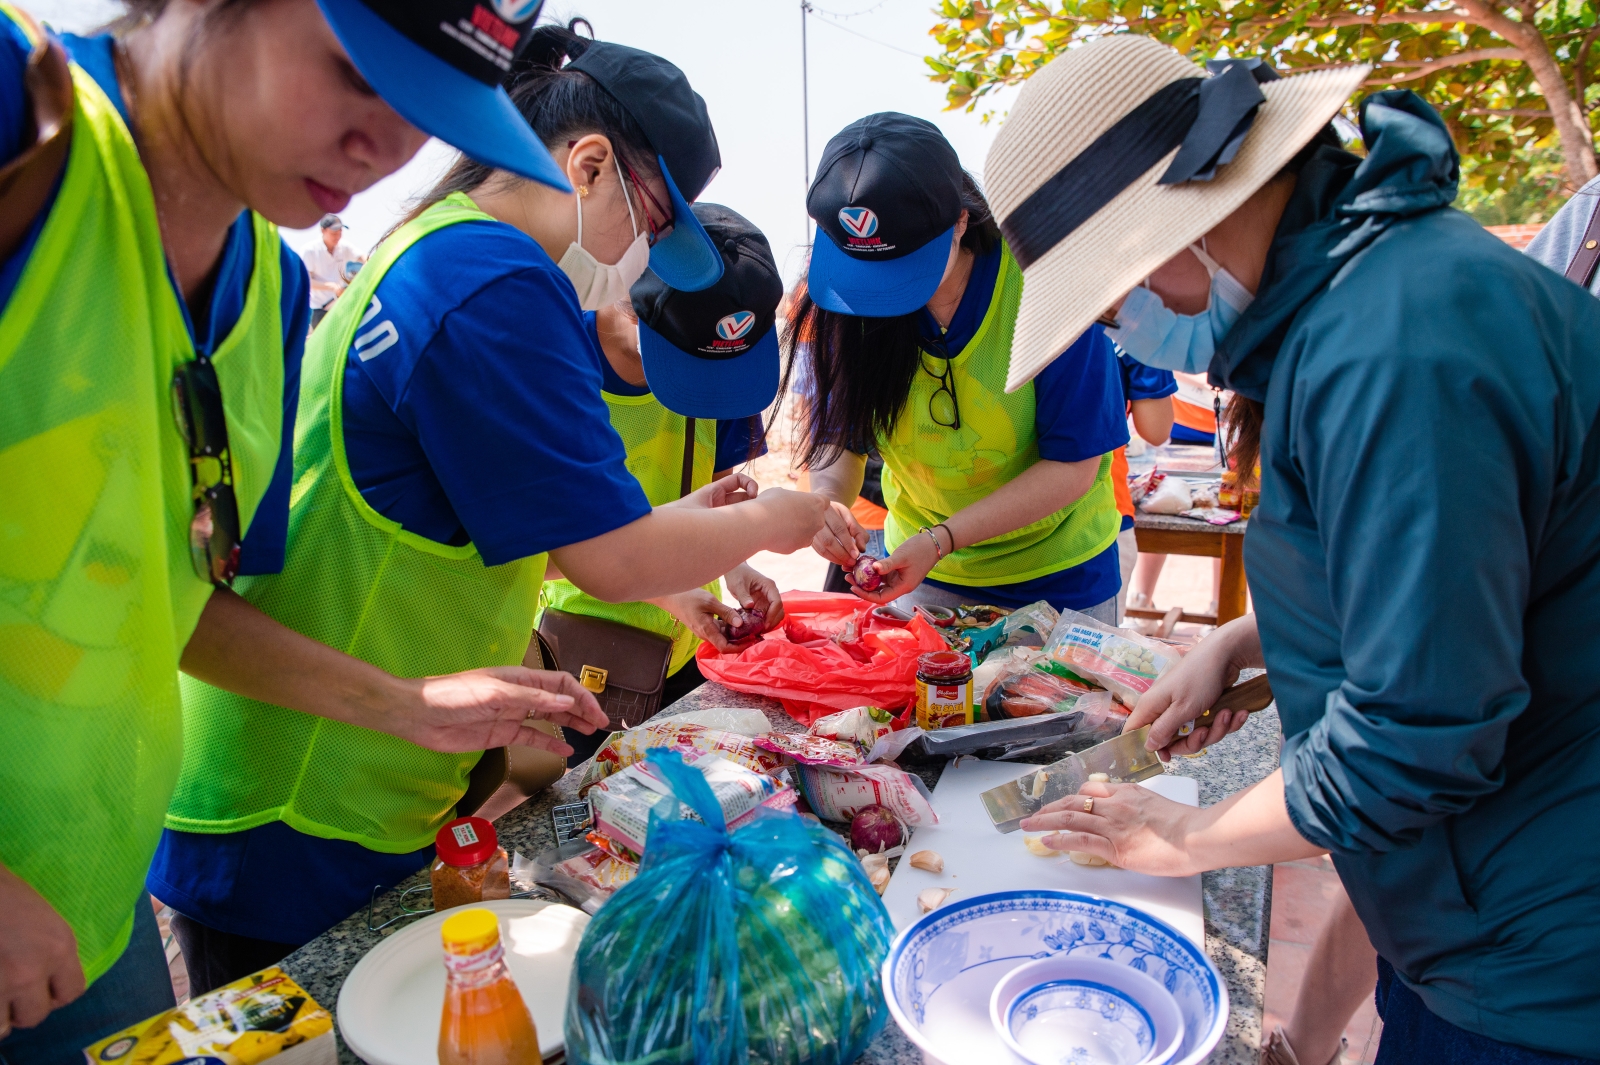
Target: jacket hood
point(1341, 203)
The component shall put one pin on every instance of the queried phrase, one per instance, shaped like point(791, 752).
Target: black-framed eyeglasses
point(214, 530)
point(943, 407)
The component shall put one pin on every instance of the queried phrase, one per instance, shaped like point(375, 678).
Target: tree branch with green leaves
point(1509, 78)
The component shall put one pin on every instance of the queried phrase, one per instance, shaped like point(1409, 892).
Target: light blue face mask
point(1183, 343)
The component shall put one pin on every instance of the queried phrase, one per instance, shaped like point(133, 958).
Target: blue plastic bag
point(763, 945)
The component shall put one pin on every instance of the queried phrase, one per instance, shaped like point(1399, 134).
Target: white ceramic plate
point(390, 1003)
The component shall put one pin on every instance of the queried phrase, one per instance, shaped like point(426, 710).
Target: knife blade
point(1122, 758)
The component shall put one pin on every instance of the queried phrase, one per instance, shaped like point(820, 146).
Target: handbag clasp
point(593, 678)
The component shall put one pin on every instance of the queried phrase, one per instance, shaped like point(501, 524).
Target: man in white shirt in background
point(329, 267)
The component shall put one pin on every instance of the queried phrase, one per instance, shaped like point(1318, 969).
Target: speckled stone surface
point(1237, 901)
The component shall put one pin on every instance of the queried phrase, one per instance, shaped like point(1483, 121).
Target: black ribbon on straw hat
point(1206, 119)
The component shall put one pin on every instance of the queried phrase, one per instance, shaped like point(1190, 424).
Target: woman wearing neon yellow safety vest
point(673, 359)
point(446, 449)
point(149, 315)
point(912, 298)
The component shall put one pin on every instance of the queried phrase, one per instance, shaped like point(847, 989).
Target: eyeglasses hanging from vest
point(214, 530)
point(943, 412)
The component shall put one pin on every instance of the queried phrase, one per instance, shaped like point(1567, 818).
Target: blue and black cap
point(713, 353)
point(886, 197)
point(439, 63)
point(674, 120)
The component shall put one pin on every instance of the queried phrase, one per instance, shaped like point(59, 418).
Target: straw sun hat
point(1075, 174)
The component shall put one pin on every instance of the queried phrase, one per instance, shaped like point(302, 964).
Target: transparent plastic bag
point(1122, 660)
point(759, 945)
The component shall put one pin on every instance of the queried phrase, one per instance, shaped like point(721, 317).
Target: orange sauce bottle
point(485, 1021)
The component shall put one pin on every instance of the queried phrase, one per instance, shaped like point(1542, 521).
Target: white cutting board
point(978, 859)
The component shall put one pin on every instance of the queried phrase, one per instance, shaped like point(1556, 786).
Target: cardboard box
point(264, 1017)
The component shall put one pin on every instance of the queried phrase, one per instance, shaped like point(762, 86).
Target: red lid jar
point(943, 665)
point(466, 841)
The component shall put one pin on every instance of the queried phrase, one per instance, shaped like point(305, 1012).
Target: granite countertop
point(1175, 523)
point(1237, 901)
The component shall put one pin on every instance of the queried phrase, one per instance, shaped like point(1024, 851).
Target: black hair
point(561, 105)
point(862, 368)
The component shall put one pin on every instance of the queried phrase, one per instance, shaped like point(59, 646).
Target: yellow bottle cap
point(470, 930)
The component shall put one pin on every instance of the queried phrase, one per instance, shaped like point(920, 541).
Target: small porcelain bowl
point(1086, 1011)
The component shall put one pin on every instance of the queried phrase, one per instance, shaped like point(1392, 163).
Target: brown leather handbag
point(625, 667)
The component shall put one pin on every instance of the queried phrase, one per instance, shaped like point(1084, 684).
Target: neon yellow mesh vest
point(358, 582)
point(653, 436)
point(931, 471)
point(97, 594)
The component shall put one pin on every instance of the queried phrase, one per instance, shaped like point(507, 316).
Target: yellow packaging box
point(266, 1016)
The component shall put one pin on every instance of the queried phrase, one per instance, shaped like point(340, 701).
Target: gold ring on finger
point(1088, 805)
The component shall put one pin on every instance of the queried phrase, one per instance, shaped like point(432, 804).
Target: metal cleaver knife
point(1122, 759)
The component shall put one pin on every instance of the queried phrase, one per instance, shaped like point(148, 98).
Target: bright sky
point(743, 56)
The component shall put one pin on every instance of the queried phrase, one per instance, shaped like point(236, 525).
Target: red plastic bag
point(817, 676)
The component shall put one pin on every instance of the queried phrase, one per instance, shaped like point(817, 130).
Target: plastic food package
point(1212, 515)
point(623, 749)
point(577, 871)
point(739, 719)
point(1171, 496)
point(835, 793)
point(1121, 659)
point(811, 673)
point(761, 944)
point(262, 1017)
point(1042, 686)
point(622, 803)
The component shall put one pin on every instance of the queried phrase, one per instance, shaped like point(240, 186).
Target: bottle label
point(465, 834)
point(477, 961)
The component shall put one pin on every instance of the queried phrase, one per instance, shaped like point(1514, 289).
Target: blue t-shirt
point(1143, 382)
point(472, 400)
point(733, 437)
point(462, 421)
point(263, 547)
point(1079, 413)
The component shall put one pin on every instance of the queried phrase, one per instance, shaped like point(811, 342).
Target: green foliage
point(1478, 81)
point(1535, 194)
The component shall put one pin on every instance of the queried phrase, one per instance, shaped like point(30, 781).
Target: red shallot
point(876, 828)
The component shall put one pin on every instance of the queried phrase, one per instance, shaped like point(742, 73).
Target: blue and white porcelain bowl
point(941, 971)
point(1086, 1010)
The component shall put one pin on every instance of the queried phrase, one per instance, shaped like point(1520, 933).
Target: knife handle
point(1254, 694)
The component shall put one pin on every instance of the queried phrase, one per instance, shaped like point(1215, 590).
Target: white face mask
point(1156, 336)
point(599, 284)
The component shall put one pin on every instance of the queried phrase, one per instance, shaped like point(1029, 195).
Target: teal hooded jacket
point(1425, 565)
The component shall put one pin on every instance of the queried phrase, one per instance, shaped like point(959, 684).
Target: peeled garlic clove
point(1037, 845)
point(880, 878)
point(932, 861)
point(1099, 778)
point(931, 899)
point(1081, 857)
point(1039, 779)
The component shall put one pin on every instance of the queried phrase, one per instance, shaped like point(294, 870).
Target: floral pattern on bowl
point(1021, 926)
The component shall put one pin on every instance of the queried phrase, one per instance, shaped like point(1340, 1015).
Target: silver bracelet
point(937, 550)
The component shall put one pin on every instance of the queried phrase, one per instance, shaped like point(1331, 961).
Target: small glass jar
point(471, 865)
point(944, 690)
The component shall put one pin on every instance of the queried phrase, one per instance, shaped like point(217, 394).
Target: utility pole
point(805, 89)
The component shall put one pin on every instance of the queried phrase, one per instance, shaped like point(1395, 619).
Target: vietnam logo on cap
point(736, 325)
point(516, 10)
point(858, 221)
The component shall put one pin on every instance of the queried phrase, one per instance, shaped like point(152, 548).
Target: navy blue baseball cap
point(674, 119)
point(713, 353)
point(886, 200)
point(439, 64)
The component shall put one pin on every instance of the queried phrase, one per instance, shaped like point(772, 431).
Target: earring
point(583, 190)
